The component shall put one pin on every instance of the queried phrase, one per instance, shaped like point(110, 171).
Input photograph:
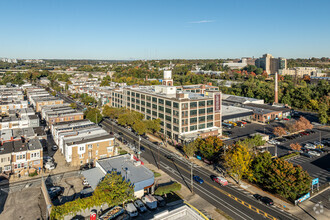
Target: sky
point(163, 29)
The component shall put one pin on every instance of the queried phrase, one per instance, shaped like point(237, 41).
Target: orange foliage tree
point(279, 131)
point(295, 146)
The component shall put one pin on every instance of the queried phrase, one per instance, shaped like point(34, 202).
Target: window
point(154, 113)
point(193, 120)
point(143, 96)
point(168, 110)
point(90, 146)
point(96, 152)
point(133, 105)
point(201, 111)
point(193, 112)
point(137, 95)
point(193, 128)
point(161, 101)
point(175, 128)
point(154, 106)
point(209, 110)
point(175, 112)
point(210, 102)
point(143, 103)
point(133, 99)
point(193, 104)
point(201, 126)
point(148, 98)
point(168, 103)
point(137, 107)
point(128, 93)
point(168, 118)
point(160, 115)
point(175, 121)
point(138, 101)
point(201, 103)
point(148, 104)
point(148, 111)
point(175, 105)
point(168, 126)
point(184, 105)
point(154, 99)
point(143, 109)
point(110, 149)
point(210, 117)
point(210, 124)
point(133, 93)
point(161, 108)
point(97, 145)
point(81, 148)
point(81, 156)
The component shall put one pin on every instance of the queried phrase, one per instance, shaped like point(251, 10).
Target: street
point(235, 203)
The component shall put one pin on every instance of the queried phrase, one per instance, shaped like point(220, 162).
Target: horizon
point(148, 30)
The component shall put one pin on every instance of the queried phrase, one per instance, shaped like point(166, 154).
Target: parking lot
point(317, 167)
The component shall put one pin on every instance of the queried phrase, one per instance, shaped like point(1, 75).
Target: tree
point(295, 146)
point(153, 126)
point(238, 161)
point(260, 166)
point(279, 131)
point(252, 142)
point(323, 115)
point(73, 105)
point(93, 114)
point(210, 147)
point(190, 149)
point(140, 127)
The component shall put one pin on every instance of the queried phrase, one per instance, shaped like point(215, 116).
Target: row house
point(15, 122)
point(60, 113)
point(21, 158)
point(6, 106)
point(38, 102)
point(82, 141)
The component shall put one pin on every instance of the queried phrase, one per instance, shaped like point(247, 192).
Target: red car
point(286, 119)
point(222, 181)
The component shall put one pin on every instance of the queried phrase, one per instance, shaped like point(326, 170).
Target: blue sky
point(163, 29)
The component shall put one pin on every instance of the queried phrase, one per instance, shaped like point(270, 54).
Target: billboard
point(303, 198)
point(315, 181)
point(217, 102)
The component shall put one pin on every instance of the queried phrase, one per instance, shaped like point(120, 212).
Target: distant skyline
point(124, 30)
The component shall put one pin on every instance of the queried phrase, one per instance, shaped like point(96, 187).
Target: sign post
point(317, 183)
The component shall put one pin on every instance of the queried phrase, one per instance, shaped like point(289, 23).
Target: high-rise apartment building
point(270, 64)
point(184, 115)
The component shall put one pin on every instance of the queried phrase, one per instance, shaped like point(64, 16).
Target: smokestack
point(276, 88)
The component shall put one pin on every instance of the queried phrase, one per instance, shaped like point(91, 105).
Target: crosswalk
point(236, 187)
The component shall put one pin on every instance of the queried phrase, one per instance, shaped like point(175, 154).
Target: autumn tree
point(295, 146)
point(190, 149)
point(140, 127)
point(279, 131)
point(238, 161)
point(153, 125)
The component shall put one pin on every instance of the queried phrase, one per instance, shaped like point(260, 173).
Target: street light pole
point(275, 150)
point(139, 148)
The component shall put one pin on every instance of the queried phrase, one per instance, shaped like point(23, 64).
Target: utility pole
point(275, 150)
point(139, 148)
point(320, 137)
point(158, 156)
point(191, 178)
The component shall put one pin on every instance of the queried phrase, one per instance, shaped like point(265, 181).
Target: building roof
point(229, 112)
point(93, 176)
point(269, 107)
point(86, 139)
point(34, 144)
point(240, 99)
point(6, 148)
point(130, 169)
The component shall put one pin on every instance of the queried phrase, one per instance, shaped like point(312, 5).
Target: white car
point(310, 146)
point(314, 153)
point(131, 210)
point(49, 166)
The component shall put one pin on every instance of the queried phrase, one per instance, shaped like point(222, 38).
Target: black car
point(170, 157)
point(55, 191)
point(266, 200)
point(120, 133)
point(257, 196)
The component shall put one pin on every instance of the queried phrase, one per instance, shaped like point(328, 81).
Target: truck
point(149, 201)
point(112, 213)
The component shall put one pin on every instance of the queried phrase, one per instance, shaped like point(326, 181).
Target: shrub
point(162, 190)
point(122, 152)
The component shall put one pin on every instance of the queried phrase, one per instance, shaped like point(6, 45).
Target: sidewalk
point(193, 199)
point(305, 211)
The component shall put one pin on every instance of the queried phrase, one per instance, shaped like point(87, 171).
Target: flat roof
point(93, 176)
point(91, 139)
point(128, 168)
point(233, 110)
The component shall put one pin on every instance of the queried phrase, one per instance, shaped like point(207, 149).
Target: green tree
point(323, 115)
point(238, 161)
point(190, 149)
point(260, 166)
point(210, 148)
point(140, 127)
point(93, 114)
point(73, 105)
point(153, 126)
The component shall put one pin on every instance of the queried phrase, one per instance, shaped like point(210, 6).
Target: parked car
point(309, 146)
point(54, 147)
point(218, 179)
point(257, 196)
point(160, 201)
point(112, 213)
point(48, 159)
point(49, 166)
point(198, 179)
point(55, 191)
point(140, 206)
point(131, 209)
point(314, 153)
point(149, 201)
point(306, 155)
point(267, 201)
point(286, 119)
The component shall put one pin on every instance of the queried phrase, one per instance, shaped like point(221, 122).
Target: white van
point(131, 210)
